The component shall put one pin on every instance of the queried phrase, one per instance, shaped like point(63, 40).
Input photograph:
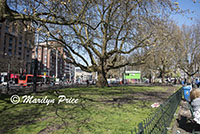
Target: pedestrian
point(175, 81)
point(195, 102)
point(182, 82)
point(185, 80)
point(197, 82)
point(87, 81)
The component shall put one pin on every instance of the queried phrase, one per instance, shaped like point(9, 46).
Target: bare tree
point(189, 55)
point(162, 60)
point(40, 11)
point(95, 31)
point(114, 29)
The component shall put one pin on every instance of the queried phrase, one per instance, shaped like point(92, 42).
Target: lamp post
point(56, 63)
point(36, 65)
point(8, 73)
point(123, 75)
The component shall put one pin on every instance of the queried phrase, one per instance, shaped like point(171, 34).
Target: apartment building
point(53, 60)
point(16, 43)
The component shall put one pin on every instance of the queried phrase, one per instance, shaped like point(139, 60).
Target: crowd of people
point(194, 95)
point(194, 82)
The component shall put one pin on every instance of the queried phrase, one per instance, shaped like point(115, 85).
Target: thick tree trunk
point(162, 77)
point(102, 81)
point(150, 78)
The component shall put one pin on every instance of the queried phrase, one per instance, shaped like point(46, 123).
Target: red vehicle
point(27, 80)
point(14, 78)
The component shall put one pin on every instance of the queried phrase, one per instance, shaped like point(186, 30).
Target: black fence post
point(141, 129)
point(163, 118)
point(159, 122)
point(131, 131)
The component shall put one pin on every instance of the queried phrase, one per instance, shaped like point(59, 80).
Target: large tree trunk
point(102, 81)
point(162, 76)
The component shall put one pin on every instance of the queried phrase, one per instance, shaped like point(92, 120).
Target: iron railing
point(160, 121)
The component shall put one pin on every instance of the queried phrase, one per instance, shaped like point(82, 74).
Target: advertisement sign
point(132, 75)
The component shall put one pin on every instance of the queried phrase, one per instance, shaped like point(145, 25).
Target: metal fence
point(160, 121)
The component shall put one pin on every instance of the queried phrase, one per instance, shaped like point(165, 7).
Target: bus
point(27, 80)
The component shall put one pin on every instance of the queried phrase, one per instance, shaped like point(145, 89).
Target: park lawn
point(111, 110)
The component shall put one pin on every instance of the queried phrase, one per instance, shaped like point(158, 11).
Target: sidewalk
point(183, 124)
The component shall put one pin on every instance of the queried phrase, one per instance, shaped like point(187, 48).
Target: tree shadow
point(14, 117)
point(71, 118)
point(187, 124)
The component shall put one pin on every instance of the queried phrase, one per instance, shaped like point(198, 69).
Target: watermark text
point(28, 99)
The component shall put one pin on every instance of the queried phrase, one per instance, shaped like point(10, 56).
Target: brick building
point(52, 60)
point(16, 43)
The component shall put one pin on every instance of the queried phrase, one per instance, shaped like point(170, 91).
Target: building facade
point(53, 60)
point(16, 43)
point(82, 76)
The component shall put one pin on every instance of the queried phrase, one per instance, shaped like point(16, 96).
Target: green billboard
point(132, 75)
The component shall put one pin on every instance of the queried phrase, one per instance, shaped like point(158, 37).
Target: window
point(40, 79)
point(20, 53)
point(9, 52)
point(20, 40)
point(22, 77)
point(20, 43)
point(25, 43)
point(10, 46)
point(30, 79)
point(10, 40)
point(5, 40)
point(6, 28)
point(13, 28)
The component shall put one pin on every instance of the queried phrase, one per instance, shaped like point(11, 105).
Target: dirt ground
point(184, 123)
point(152, 96)
point(156, 96)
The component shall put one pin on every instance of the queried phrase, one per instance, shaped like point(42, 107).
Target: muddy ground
point(184, 123)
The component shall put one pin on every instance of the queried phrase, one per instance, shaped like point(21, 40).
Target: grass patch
point(110, 110)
